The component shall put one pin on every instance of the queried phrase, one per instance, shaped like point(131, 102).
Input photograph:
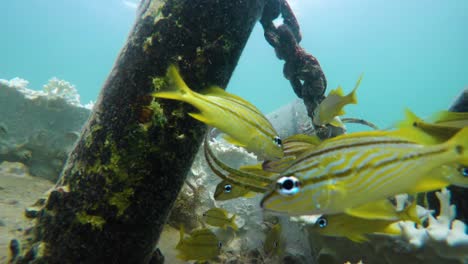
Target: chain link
point(301, 69)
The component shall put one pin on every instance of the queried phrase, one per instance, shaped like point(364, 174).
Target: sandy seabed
point(18, 190)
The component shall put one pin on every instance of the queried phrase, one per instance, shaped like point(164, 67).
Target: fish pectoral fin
point(357, 238)
point(233, 141)
point(200, 117)
point(428, 185)
point(336, 122)
point(250, 195)
point(374, 210)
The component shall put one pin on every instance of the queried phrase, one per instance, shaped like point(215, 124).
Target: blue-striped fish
point(351, 170)
point(243, 124)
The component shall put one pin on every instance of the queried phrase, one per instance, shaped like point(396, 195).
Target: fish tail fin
point(232, 220)
point(460, 143)
point(352, 96)
point(392, 229)
point(175, 87)
point(411, 213)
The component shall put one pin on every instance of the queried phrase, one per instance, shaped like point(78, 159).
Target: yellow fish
point(332, 106)
point(446, 124)
point(226, 190)
point(451, 119)
point(355, 228)
point(202, 245)
point(219, 217)
point(274, 242)
point(293, 146)
point(351, 170)
point(243, 124)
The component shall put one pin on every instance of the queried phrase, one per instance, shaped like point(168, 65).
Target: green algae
point(97, 222)
point(121, 200)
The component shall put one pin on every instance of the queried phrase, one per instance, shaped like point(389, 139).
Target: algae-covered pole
point(130, 162)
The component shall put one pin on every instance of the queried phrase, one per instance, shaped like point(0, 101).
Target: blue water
point(413, 53)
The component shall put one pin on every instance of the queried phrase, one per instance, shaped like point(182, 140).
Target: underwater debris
point(301, 69)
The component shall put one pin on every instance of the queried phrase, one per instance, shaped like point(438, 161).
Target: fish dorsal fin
point(233, 141)
point(217, 91)
point(214, 90)
point(338, 91)
point(410, 119)
point(382, 209)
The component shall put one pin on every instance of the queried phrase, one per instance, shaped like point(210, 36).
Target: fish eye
point(464, 171)
point(277, 140)
point(228, 188)
point(322, 222)
point(220, 244)
point(288, 186)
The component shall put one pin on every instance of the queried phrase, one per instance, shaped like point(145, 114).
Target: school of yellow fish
point(348, 179)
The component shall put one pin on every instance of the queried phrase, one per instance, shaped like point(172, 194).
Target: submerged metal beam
point(130, 162)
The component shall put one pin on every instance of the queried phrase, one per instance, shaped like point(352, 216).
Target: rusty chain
point(301, 68)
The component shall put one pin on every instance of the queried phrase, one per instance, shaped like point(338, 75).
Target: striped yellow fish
point(201, 245)
point(351, 170)
point(355, 228)
point(445, 124)
point(226, 190)
point(241, 121)
point(293, 146)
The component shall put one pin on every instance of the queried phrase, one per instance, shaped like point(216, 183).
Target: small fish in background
point(226, 190)
point(3, 130)
point(201, 245)
point(356, 228)
point(451, 119)
point(293, 146)
point(444, 124)
point(243, 124)
point(219, 217)
point(332, 106)
point(274, 242)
